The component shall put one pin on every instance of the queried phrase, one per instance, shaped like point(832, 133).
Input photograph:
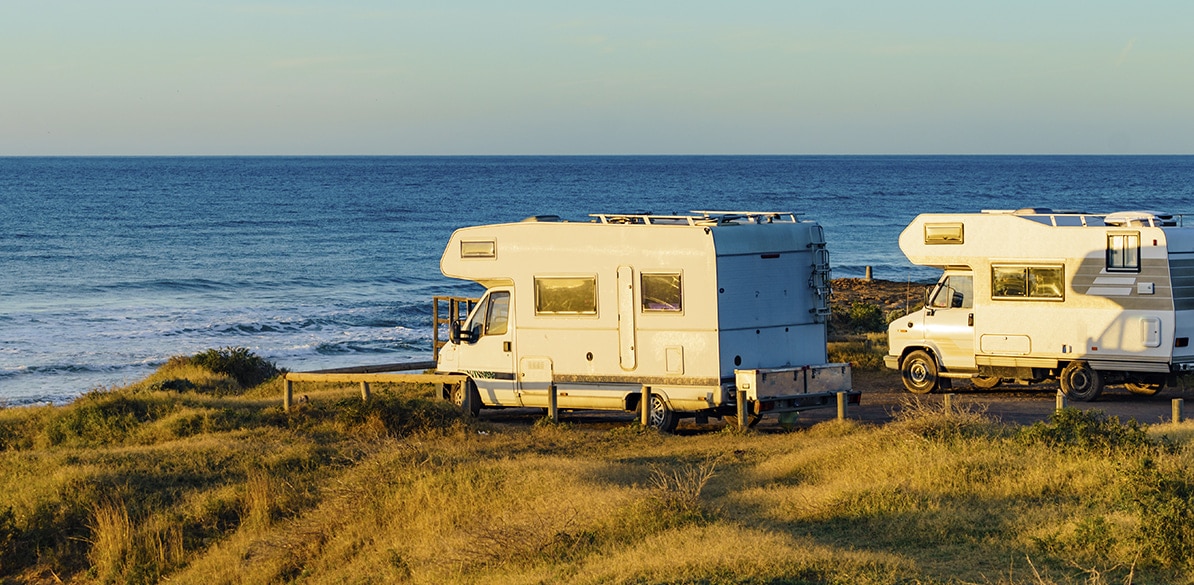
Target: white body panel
point(1123, 307)
point(746, 300)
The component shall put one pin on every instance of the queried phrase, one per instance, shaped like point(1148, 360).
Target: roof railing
point(699, 218)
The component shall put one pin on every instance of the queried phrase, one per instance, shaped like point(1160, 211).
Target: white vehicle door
point(488, 355)
point(949, 321)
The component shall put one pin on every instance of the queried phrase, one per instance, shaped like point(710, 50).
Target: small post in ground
point(365, 391)
point(1178, 403)
point(841, 406)
point(288, 395)
point(553, 409)
point(1060, 400)
point(949, 403)
point(742, 410)
point(646, 404)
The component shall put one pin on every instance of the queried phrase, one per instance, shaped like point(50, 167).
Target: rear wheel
point(1146, 385)
point(1081, 382)
point(919, 372)
point(661, 417)
point(986, 382)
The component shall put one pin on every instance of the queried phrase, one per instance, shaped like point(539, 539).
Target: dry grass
point(201, 489)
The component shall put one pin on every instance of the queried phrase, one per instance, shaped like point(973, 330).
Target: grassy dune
point(191, 478)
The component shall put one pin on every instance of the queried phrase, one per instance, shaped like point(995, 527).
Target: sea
point(110, 266)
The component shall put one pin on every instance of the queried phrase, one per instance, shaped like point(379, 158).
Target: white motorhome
point(690, 308)
point(1034, 294)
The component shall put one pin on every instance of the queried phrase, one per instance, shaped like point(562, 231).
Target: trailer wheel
point(1081, 382)
point(466, 397)
point(661, 417)
point(1146, 385)
point(919, 372)
point(986, 382)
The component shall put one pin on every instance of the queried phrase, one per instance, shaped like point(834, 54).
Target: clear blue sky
point(608, 77)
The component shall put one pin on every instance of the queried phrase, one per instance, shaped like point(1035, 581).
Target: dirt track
point(883, 396)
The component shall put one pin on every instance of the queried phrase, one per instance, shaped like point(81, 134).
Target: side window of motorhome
point(956, 292)
point(662, 292)
point(565, 295)
point(1028, 282)
point(497, 314)
point(1123, 252)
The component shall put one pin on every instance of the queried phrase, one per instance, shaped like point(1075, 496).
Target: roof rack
point(1071, 218)
point(701, 218)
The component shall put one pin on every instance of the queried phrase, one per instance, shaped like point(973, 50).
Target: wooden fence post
point(949, 403)
point(742, 410)
point(553, 408)
point(841, 406)
point(646, 404)
point(1060, 400)
point(365, 391)
point(288, 396)
point(1178, 403)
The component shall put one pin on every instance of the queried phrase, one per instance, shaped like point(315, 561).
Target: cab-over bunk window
point(1123, 252)
point(1012, 282)
point(570, 295)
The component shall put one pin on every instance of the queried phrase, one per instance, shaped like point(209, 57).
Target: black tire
point(466, 397)
point(919, 371)
point(1081, 382)
point(661, 417)
point(1146, 385)
point(986, 382)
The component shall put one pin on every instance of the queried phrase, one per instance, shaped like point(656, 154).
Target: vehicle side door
point(949, 321)
point(487, 355)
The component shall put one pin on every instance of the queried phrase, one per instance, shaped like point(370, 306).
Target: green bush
point(859, 317)
point(243, 365)
point(1071, 428)
point(386, 413)
point(1164, 499)
point(103, 417)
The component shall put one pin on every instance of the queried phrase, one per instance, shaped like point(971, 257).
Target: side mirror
point(457, 333)
point(956, 302)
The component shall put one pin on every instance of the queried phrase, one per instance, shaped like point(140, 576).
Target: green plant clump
point(1071, 428)
point(247, 368)
point(859, 317)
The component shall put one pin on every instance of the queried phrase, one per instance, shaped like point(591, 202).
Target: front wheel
point(919, 372)
point(1081, 382)
point(661, 417)
point(465, 396)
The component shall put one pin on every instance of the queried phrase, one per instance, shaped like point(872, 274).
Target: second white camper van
point(688, 309)
point(1033, 294)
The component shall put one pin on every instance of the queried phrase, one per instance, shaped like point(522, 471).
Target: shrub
point(859, 317)
point(1071, 428)
point(102, 417)
point(388, 414)
point(243, 365)
point(1164, 499)
point(8, 535)
point(860, 354)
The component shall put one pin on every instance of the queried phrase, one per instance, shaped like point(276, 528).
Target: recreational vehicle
point(1034, 294)
point(686, 309)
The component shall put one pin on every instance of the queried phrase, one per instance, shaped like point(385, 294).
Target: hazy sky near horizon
point(212, 77)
